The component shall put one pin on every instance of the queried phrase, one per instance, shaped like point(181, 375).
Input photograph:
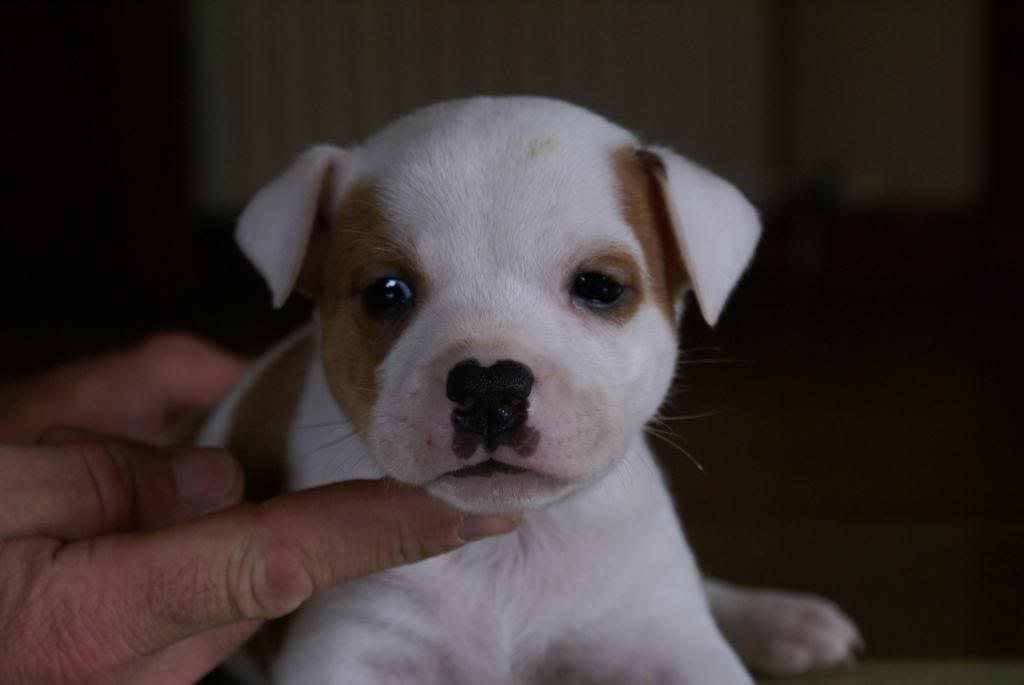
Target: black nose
point(491, 400)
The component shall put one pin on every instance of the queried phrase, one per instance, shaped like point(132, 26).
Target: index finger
point(94, 484)
point(255, 561)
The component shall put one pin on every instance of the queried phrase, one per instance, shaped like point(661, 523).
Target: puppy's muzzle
point(492, 401)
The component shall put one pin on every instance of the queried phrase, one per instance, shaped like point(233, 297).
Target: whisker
point(329, 443)
point(689, 417)
point(716, 360)
point(661, 435)
point(341, 423)
point(691, 350)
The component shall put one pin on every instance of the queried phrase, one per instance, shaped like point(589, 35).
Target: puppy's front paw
point(784, 632)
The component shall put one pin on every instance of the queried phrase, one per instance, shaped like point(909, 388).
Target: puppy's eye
point(388, 297)
point(597, 290)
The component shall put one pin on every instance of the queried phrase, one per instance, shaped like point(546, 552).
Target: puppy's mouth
point(485, 469)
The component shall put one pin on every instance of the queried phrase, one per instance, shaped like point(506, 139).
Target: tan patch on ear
point(263, 418)
point(643, 206)
point(361, 249)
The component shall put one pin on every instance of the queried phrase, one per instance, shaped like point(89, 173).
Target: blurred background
point(864, 437)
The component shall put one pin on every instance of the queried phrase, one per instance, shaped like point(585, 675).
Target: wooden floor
point(907, 672)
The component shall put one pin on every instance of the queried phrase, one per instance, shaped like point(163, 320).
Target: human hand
point(107, 576)
point(136, 393)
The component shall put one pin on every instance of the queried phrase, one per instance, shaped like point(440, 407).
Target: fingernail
point(477, 526)
point(204, 477)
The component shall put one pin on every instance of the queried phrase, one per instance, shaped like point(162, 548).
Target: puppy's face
point(498, 284)
point(497, 336)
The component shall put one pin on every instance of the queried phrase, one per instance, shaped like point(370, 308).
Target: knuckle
point(167, 355)
point(168, 344)
point(268, 577)
point(111, 481)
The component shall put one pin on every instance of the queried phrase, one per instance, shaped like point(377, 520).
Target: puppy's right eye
point(388, 297)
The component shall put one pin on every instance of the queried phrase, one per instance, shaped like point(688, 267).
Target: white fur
point(501, 199)
point(717, 234)
point(276, 225)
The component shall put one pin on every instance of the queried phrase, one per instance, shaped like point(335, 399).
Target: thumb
point(255, 562)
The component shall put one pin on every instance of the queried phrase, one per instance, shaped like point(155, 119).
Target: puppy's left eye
point(597, 290)
point(388, 297)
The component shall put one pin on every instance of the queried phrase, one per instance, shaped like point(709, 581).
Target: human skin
point(138, 393)
point(121, 562)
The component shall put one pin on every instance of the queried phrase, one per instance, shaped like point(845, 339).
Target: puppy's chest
point(495, 610)
point(520, 585)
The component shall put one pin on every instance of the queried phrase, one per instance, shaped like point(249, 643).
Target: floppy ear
point(277, 225)
point(715, 227)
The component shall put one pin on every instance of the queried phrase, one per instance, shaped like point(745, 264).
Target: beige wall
point(887, 93)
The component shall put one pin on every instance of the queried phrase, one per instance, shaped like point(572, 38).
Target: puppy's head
point(498, 284)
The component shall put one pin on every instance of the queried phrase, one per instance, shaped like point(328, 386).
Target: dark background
point(866, 378)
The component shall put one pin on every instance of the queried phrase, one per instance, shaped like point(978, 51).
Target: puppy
point(499, 283)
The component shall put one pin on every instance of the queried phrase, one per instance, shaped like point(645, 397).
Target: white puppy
point(499, 283)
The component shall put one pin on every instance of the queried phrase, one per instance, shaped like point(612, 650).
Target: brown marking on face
point(263, 417)
point(536, 147)
point(643, 206)
point(523, 440)
point(360, 249)
point(464, 445)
